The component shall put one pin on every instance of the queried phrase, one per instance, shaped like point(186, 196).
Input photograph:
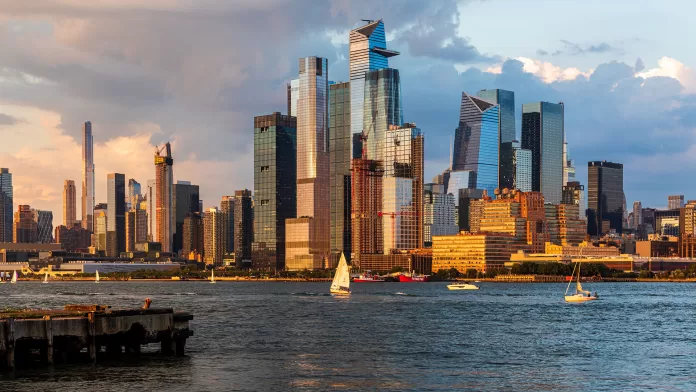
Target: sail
point(579, 287)
point(212, 275)
point(342, 278)
point(96, 279)
point(14, 277)
point(46, 277)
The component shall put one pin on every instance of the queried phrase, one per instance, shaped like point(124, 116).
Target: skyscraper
point(515, 167)
point(637, 215)
point(313, 226)
point(381, 109)
point(44, 226)
point(193, 235)
point(568, 168)
point(339, 156)
point(69, 203)
point(227, 208)
point(185, 202)
point(164, 179)
point(675, 201)
point(6, 205)
point(136, 228)
point(100, 217)
point(367, 52)
point(24, 225)
point(151, 197)
point(604, 197)
point(243, 226)
point(476, 142)
point(366, 204)
point(543, 133)
point(133, 197)
point(438, 213)
point(506, 128)
point(214, 236)
point(87, 177)
point(116, 214)
point(293, 94)
point(275, 187)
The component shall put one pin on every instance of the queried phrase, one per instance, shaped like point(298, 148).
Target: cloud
point(575, 49)
point(541, 52)
point(639, 65)
point(671, 68)
point(6, 119)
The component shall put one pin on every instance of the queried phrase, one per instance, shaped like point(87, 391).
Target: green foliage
point(471, 273)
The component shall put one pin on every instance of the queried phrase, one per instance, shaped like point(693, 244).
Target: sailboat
point(580, 294)
point(212, 276)
point(45, 278)
point(14, 277)
point(96, 277)
point(341, 281)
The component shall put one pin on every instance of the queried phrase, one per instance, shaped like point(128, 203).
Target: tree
point(471, 273)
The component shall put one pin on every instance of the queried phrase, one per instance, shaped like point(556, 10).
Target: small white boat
point(45, 278)
point(462, 286)
point(580, 294)
point(341, 281)
point(14, 277)
point(96, 277)
point(212, 276)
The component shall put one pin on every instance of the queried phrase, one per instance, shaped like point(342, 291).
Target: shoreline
point(318, 280)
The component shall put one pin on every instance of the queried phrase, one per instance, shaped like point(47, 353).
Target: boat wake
point(311, 294)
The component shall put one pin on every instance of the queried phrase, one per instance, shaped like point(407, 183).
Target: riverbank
point(557, 279)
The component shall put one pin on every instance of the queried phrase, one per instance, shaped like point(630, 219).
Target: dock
point(87, 332)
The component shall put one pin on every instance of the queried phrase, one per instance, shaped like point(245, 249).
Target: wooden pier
point(28, 337)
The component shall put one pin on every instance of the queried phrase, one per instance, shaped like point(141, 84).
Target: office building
point(69, 203)
point(481, 252)
point(367, 52)
point(469, 209)
point(73, 239)
point(309, 245)
point(24, 225)
point(227, 208)
point(6, 205)
point(134, 196)
point(573, 194)
point(438, 213)
point(568, 168)
point(163, 183)
point(476, 143)
point(543, 133)
point(366, 204)
point(243, 225)
point(506, 128)
point(136, 228)
point(637, 215)
point(275, 187)
point(151, 197)
point(515, 167)
point(186, 197)
point(100, 217)
point(115, 214)
point(340, 139)
point(293, 94)
point(382, 109)
point(87, 177)
point(565, 226)
point(193, 244)
point(214, 236)
point(675, 201)
point(44, 226)
point(687, 230)
point(604, 198)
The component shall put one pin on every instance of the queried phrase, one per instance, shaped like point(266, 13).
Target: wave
point(311, 294)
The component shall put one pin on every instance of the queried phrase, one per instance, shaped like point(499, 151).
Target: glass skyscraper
point(368, 52)
point(340, 139)
point(506, 100)
point(6, 205)
point(382, 108)
point(543, 134)
point(185, 202)
point(605, 197)
point(476, 142)
point(87, 177)
point(115, 214)
point(275, 187)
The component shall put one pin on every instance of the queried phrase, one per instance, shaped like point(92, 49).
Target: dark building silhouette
point(604, 197)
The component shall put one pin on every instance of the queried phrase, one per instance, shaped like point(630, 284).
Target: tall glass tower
point(340, 155)
point(476, 143)
point(506, 131)
point(605, 197)
point(543, 132)
point(87, 177)
point(115, 214)
point(6, 205)
point(382, 108)
point(163, 182)
point(368, 52)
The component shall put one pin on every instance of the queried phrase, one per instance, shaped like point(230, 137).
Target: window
point(265, 168)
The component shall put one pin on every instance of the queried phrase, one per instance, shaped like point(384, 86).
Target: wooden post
point(49, 340)
point(91, 338)
point(10, 343)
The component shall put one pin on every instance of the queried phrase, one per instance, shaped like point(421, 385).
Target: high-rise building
point(243, 225)
point(637, 215)
point(100, 218)
point(6, 205)
point(69, 203)
point(227, 207)
point(515, 167)
point(675, 201)
point(24, 225)
point(293, 94)
point(309, 245)
point(275, 187)
point(73, 239)
point(134, 196)
point(136, 228)
point(151, 197)
point(438, 213)
point(687, 230)
point(568, 168)
point(469, 212)
point(604, 197)
point(44, 226)
point(164, 180)
point(193, 236)
point(214, 236)
point(186, 197)
point(367, 52)
point(476, 143)
point(573, 194)
point(402, 195)
point(382, 109)
point(366, 204)
point(543, 133)
point(87, 177)
point(339, 162)
point(116, 214)
point(506, 128)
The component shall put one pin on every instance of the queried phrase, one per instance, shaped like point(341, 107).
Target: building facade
point(604, 198)
point(506, 129)
point(69, 203)
point(193, 243)
point(24, 225)
point(136, 228)
point(186, 197)
point(243, 225)
point(227, 207)
point(675, 201)
point(87, 177)
point(100, 217)
point(275, 187)
point(214, 236)
point(116, 214)
point(73, 239)
point(44, 226)
point(481, 252)
point(543, 134)
point(151, 197)
point(438, 213)
point(366, 204)
point(340, 139)
point(6, 205)
point(382, 109)
point(164, 181)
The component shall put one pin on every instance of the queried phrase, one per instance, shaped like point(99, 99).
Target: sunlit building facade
point(69, 203)
point(116, 214)
point(164, 181)
point(366, 220)
point(543, 133)
point(340, 139)
point(482, 252)
point(214, 236)
point(87, 177)
point(136, 228)
point(24, 225)
point(6, 205)
point(438, 213)
point(100, 217)
point(382, 109)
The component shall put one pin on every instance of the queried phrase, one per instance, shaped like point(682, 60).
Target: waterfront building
point(163, 183)
point(243, 226)
point(186, 197)
point(100, 217)
point(368, 52)
point(275, 187)
point(604, 198)
point(659, 247)
point(438, 213)
point(482, 252)
point(44, 226)
point(687, 230)
point(6, 205)
point(382, 109)
point(675, 201)
point(339, 168)
point(24, 225)
point(469, 209)
point(69, 203)
point(543, 134)
point(309, 245)
point(565, 226)
point(115, 221)
point(151, 208)
point(366, 204)
point(74, 239)
point(476, 142)
point(420, 261)
point(136, 228)
point(193, 243)
point(87, 177)
point(214, 236)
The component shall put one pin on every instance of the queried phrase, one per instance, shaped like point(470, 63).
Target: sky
point(196, 72)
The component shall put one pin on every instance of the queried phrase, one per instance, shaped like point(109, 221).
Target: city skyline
point(428, 72)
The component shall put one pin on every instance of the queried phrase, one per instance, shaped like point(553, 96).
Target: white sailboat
point(341, 281)
point(212, 276)
point(46, 278)
point(14, 277)
point(96, 277)
point(580, 294)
